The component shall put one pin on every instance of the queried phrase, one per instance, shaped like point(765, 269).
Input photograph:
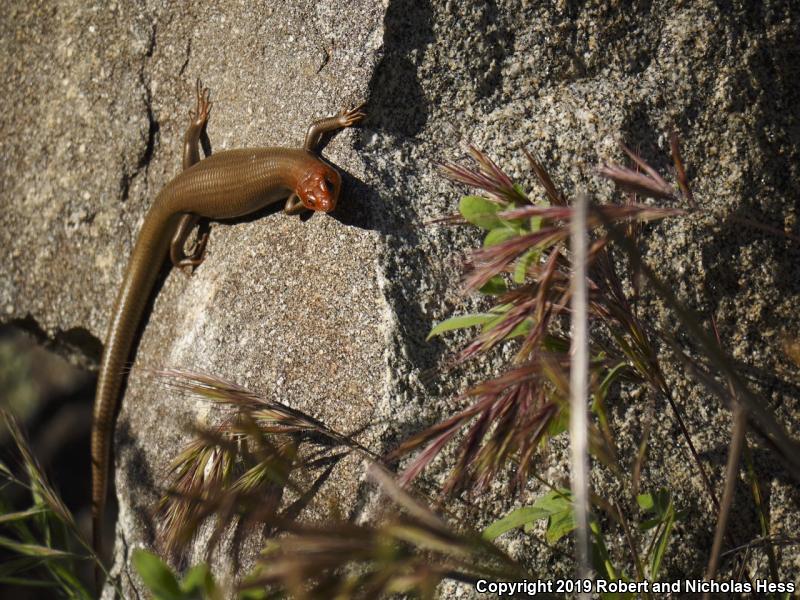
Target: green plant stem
point(579, 384)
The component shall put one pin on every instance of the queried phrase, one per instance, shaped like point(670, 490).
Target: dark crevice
point(152, 132)
point(126, 553)
point(77, 344)
point(153, 127)
point(188, 57)
point(80, 339)
point(31, 326)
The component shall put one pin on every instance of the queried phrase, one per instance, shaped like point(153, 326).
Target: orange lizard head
point(319, 188)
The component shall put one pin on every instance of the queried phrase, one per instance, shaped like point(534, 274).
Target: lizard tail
point(145, 263)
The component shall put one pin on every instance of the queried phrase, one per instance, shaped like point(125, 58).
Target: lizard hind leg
point(177, 254)
point(198, 119)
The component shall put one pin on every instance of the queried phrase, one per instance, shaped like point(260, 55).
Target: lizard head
point(319, 188)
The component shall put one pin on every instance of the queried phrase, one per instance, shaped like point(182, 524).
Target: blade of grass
point(33, 549)
point(20, 515)
point(731, 476)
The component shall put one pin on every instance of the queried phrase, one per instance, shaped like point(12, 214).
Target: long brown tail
point(145, 263)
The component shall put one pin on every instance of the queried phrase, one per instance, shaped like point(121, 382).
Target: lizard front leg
point(294, 206)
point(346, 118)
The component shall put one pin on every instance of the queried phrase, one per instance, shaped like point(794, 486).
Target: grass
point(43, 541)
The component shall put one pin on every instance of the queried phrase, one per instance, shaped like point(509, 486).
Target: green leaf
point(157, 576)
point(661, 547)
point(499, 311)
point(198, 579)
point(645, 501)
point(460, 322)
point(480, 211)
point(663, 520)
point(555, 501)
point(649, 524)
point(612, 375)
point(559, 525)
point(498, 236)
point(523, 328)
point(555, 506)
point(494, 287)
point(514, 519)
point(600, 556)
point(489, 325)
point(253, 594)
point(535, 224)
point(523, 262)
point(659, 503)
point(558, 424)
point(663, 503)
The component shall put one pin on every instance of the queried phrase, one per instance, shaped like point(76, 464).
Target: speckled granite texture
point(330, 314)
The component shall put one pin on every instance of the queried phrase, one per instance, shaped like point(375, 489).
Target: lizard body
point(225, 185)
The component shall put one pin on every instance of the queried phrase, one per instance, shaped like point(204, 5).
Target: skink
point(223, 186)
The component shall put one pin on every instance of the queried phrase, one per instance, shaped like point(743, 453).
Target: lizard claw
point(351, 116)
point(199, 116)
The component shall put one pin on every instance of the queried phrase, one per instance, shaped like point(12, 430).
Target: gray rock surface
point(331, 314)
